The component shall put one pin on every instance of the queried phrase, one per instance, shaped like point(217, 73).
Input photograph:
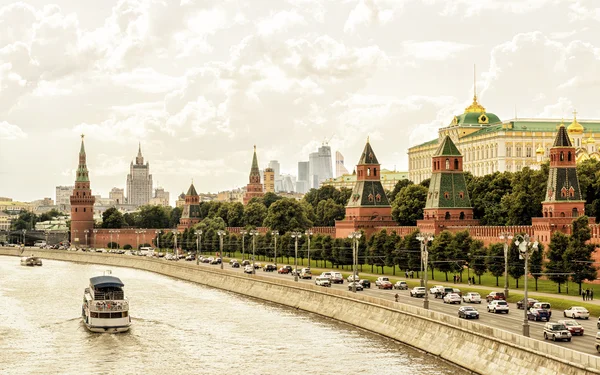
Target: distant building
point(5, 199)
point(254, 187)
point(320, 166)
point(340, 169)
point(63, 194)
point(236, 195)
point(161, 197)
point(276, 167)
point(139, 181)
point(302, 184)
point(15, 207)
point(269, 178)
point(117, 195)
point(180, 200)
point(286, 184)
point(5, 221)
point(389, 179)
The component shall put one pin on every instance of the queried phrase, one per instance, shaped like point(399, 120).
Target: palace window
point(518, 151)
point(378, 197)
point(456, 164)
point(508, 151)
point(461, 194)
point(528, 151)
point(368, 171)
point(447, 164)
point(569, 156)
point(563, 192)
point(571, 192)
point(374, 171)
point(562, 156)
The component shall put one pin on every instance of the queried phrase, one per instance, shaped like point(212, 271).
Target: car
point(231, 261)
point(289, 268)
point(457, 291)
point(337, 278)
point(545, 306)
point(351, 278)
point(597, 344)
point(248, 269)
point(575, 312)
point(352, 284)
point(269, 268)
point(443, 292)
point(537, 314)
point(556, 331)
point(235, 265)
point(472, 297)
point(401, 285)
point(452, 298)
point(257, 266)
point(497, 306)
point(190, 257)
point(385, 285)
point(468, 312)
point(216, 261)
point(283, 270)
point(436, 289)
point(295, 272)
point(322, 281)
point(245, 262)
point(574, 327)
point(365, 283)
point(305, 273)
point(494, 296)
point(380, 279)
point(328, 275)
point(530, 302)
point(418, 291)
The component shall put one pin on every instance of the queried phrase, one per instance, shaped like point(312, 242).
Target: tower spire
point(474, 83)
point(475, 106)
point(139, 160)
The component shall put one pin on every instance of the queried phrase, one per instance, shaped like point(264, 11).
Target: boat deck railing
point(114, 295)
point(106, 305)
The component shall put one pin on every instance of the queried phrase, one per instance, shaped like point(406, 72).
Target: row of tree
point(27, 220)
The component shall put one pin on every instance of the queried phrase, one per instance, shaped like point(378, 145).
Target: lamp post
point(308, 234)
point(46, 233)
point(507, 237)
point(253, 233)
point(76, 235)
point(118, 244)
point(198, 234)
point(275, 234)
point(95, 234)
point(523, 242)
point(422, 280)
point(156, 233)
point(354, 236)
point(24, 232)
point(243, 233)
point(137, 232)
point(221, 233)
point(85, 231)
point(111, 241)
point(175, 245)
point(425, 238)
point(296, 235)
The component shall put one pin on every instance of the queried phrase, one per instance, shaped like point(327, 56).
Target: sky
point(199, 82)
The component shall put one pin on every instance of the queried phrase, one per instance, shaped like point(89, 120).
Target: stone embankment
point(479, 348)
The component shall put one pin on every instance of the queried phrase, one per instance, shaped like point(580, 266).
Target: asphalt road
point(513, 321)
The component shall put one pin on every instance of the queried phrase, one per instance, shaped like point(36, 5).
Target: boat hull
point(107, 329)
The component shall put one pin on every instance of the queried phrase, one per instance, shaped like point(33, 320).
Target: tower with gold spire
point(254, 187)
point(82, 203)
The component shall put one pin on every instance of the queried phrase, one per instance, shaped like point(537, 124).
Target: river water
point(179, 328)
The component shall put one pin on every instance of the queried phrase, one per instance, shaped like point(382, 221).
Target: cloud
point(367, 13)
point(433, 50)
point(279, 21)
point(11, 132)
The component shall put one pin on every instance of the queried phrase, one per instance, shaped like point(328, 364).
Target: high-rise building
point(82, 203)
point(320, 166)
point(276, 167)
point(269, 178)
point(254, 187)
point(313, 170)
point(117, 196)
point(340, 169)
point(63, 195)
point(302, 185)
point(139, 181)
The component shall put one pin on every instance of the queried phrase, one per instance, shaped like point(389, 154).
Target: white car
point(436, 289)
point(249, 269)
point(497, 306)
point(452, 298)
point(418, 291)
point(322, 281)
point(351, 278)
point(472, 297)
point(577, 312)
point(380, 279)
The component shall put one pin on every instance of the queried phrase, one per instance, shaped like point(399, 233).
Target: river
point(179, 327)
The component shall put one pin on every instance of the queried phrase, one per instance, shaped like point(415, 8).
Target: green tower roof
point(368, 156)
point(192, 190)
point(562, 138)
point(82, 171)
point(447, 148)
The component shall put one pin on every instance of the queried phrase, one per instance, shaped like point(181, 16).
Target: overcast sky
point(199, 82)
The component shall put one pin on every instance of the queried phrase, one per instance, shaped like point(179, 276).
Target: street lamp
point(110, 245)
point(221, 233)
point(175, 245)
point(95, 234)
point(157, 233)
point(76, 236)
point(523, 242)
point(424, 238)
point(354, 236)
point(85, 231)
point(296, 235)
point(507, 237)
point(275, 234)
point(308, 234)
point(46, 233)
point(243, 233)
point(253, 233)
point(118, 244)
point(24, 231)
point(198, 234)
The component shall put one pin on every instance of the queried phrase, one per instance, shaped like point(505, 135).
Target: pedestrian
point(592, 294)
point(397, 297)
point(454, 279)
point(406, 274)
point(587, 294)
point(412, 274)
point(583, 294)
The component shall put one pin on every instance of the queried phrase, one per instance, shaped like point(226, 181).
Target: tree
point(495, 260)
point(408, 206)
point(412, 246)
point(461, 245)
point(516, 266)
point(536, 262)
point(399, 185)
point(174, 217)
point(25, 220)
point(328, 212)
point(112, 218)
point(46, 216)
point(153, 217)
point(254, 214)
point(578, 255)
point(131, 219)
point(556, 266)
point(210, 238)
point(235, 214)
point(287, 215)
point(525, 200)
point(478, 258)
point(441, 253)
point(269, 198)
point(486, 193)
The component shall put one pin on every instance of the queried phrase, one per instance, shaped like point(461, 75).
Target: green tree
point(412, 246)
point(254, 214)
point(269, 198)
point(442, 253)
point(174, 217)
point(408, 206)
point(131, 219)
point(486, 193)
point(516, 266)
point(328, 212)
point(153, 217)
point(399, 185)
point(235, 214)
point(46, 216)
point(25, 220)
point(461, 245)
point(556, 266)
point(478, 258)
point(495, 260)
point(525, 200)
point(209, 227)
point(112, 218)
point(578, 255)
point(287, 215)
point(536, 262)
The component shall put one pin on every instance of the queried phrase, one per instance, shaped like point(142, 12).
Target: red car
point(385, 285)
point(283, 270)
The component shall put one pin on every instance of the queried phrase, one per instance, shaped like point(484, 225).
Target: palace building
point(490, 145)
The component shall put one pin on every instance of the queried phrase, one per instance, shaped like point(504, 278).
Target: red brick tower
point(254, 188)
point(82, 204)
point(191, 210)
point(368, 207)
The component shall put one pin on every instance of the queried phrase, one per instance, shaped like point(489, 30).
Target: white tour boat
point(31, 261)
point(105, 307)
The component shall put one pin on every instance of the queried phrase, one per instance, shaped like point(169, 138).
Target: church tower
point(448, 202)
point(82, 204)
point(190, 214)
point(254, 188)
point(368, 206)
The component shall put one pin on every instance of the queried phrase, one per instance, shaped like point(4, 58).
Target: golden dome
point(575, 127)
point(475, 106)
point(584, 142)
point(591, 140)
point(540, 150)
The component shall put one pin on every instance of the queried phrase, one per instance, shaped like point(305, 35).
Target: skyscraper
point(276, 167)
point(139, 181)
point(340, 169)
point(320, 166)
point(269, 179)
point(302, 185)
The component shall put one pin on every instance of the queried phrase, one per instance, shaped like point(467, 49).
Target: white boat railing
point(100, 306)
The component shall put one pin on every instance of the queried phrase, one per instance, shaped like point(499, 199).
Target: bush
point(127, 247)
point(112, 245)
